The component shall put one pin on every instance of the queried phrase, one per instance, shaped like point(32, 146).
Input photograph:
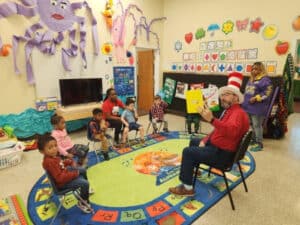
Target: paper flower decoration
point(256, 25)
point(227, 27)
point(106, 48)
point(270, 32)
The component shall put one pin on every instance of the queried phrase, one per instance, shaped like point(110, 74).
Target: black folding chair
point(61, 194)
point(239, 155)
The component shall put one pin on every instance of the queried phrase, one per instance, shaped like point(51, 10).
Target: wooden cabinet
point(76, 112)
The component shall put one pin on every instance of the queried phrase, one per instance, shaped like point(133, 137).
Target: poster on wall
point(124, 80)
point(168, 89)
point(180, 89)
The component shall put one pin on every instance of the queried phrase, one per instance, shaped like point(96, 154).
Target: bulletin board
point(124, 80)
point(49, 69)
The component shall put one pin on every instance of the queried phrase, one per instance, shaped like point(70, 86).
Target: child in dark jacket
point(64, 171)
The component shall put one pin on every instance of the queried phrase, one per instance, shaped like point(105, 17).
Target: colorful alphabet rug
point(132, 187)
point(12, 211)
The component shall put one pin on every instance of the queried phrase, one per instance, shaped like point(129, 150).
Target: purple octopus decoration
point(56, 17)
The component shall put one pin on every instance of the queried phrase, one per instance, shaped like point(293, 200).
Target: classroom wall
point(188, 16)
point(17, 95)
point(182, 17)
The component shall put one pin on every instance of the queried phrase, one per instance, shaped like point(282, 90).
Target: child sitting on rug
point(129, 118)
point(65, 145)
point(64, 171)
point(157, 113)
point(96, 131)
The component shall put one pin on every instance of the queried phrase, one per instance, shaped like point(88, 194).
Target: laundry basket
point(11, 156)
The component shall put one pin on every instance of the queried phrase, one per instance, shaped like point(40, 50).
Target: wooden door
point(145, 81)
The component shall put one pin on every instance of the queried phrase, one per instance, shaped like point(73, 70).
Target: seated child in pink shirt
point(65, 145)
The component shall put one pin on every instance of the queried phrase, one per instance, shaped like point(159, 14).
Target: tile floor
point(274, 188)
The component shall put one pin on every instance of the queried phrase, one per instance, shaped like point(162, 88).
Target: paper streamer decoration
point(54, 16)
point(119, 31)
point(108, 13)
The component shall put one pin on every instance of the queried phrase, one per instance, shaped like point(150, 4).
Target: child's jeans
point(155, 121)
point(193, 118)
point(80, 182)
point(80, 151)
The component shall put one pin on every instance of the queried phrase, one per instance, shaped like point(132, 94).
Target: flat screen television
point(78, 91)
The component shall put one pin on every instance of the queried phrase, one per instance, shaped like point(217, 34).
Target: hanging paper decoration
point(118, 30)
point(282, 47)
point(241, 25)
point(270, 32)
point(188, 37)
point(4, 48)
point(178, 46)
point(296, 24)
point(256, 25)
point(106, 48)
point(147, 27)
point(227, 27)
point(54, 15)
point(200, 33)
point(212, 28)
point(108, 13)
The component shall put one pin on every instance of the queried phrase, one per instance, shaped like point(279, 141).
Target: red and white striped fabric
point(234, 84)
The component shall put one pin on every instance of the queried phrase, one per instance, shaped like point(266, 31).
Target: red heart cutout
point(214, 56)
point(188, 37)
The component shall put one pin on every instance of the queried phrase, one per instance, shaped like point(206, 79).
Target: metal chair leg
point(57, 211)
point(77, 195)
point(195, 174)
point(243, 178)
point(228, 191)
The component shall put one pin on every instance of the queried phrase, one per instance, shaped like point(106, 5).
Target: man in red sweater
point(64, 172)
point(217, 148)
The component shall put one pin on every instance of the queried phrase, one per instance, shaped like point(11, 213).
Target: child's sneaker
point(84, 208)
point(166, 130)
point(142, 141)
point(105, 155)
point(256, 148)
